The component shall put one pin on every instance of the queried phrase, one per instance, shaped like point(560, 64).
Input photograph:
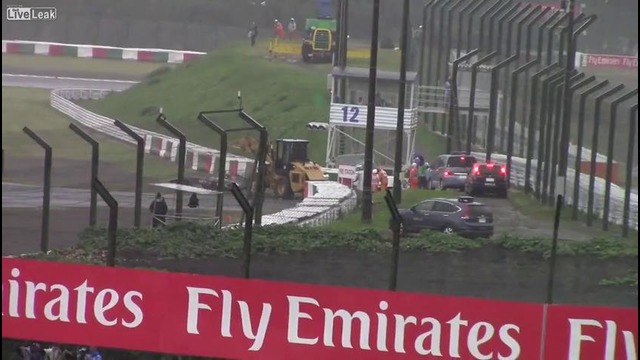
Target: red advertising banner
point(242, 319)
point(589, 333)
point(608, 61)
point(253, 319)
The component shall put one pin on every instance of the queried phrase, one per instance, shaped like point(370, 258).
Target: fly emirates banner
point(253, 319)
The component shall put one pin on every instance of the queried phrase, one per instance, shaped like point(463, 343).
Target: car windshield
point(477, 210)
point(461, 161)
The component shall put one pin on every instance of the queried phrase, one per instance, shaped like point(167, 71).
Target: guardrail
point(616, 201)
point(329, 200)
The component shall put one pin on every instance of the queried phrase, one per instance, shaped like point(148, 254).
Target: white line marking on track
point(69, 78)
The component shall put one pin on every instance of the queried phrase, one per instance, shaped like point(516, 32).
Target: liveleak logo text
point(23, 13)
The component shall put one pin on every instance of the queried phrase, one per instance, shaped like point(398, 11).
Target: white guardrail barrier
point(616, 201)
point(326, 202)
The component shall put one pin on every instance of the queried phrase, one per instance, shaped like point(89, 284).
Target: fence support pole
point(396, 220)
point(182, 154)
point(633, 113)
point(527, 58)
point(594, 147)
point(453, 98)
point(423, 40)
point(397, 163)
point(493, 104)
point(222, 161)
point(512, 114)
point(248, 228)
point(531, 136)
point(553, 149)
point(112, 231)
point(579, 145)
point(469, 35)
point(461, 13)
point(46, 187)
point(472, 96)
point(544, 133)
point(95, 162)
point(609, 173)
point(137, 217)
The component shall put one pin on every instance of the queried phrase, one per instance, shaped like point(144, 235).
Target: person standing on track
point(159, 209)
point(253, 33)
point(291, 29)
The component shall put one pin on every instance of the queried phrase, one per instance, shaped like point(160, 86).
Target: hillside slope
point(281, 96)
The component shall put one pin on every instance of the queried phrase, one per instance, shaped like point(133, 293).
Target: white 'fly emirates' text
point(24, 299)
point(429, 342)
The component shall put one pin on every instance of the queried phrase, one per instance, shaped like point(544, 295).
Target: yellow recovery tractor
point(288, 167)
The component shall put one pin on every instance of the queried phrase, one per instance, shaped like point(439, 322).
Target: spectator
point(194, 202)
point(291, 28)
point(423, 175)
point(253, 33)
point(93, 354)
point(447, 92)
point(383, 179)
point(380, 101)
point(375, 181)
point(159, 210)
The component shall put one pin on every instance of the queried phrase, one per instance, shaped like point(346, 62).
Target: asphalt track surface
point(58, 82)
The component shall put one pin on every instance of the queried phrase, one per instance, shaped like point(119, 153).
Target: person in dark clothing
point(159, 210)
point(194, 202)
point(253, 33)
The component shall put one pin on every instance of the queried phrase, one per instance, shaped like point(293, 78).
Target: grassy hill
point(283, 96)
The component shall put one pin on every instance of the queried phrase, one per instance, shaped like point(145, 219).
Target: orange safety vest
point(413, 178)
point(384, 180)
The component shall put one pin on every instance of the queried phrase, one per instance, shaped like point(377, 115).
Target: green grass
point(282, 96)
point(86, 67)
point(30, 107)
point(529, 206)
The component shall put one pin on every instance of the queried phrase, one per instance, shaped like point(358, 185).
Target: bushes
point(188, 240)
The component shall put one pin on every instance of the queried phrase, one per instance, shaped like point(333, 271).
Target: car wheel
point(448, 230)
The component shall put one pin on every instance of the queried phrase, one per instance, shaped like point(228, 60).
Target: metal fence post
point(483, 18)
point(512, 114)
point(397, 163)
point(461, 13)
point(505, 6)
point(508, 19)
point(594, 147)
point(46, 187)
point(441, 33)
point(551, 19)
point(95, 163)
point(182, 154)
point(222, 160)
point(137, 217)
point(531, 121)
point(112, 230)
point(472, 96)
point(579, 144)
point(248, 228)
point(453, 99)
point(609, 173)
point(423, 40)
point(469, 36)
point(553, 148)
point(550, 34)
point(493, 104)
point(544, 133)
point(633, 113)
point(507, 79)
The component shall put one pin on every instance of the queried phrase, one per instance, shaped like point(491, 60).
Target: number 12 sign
point(350, 114)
